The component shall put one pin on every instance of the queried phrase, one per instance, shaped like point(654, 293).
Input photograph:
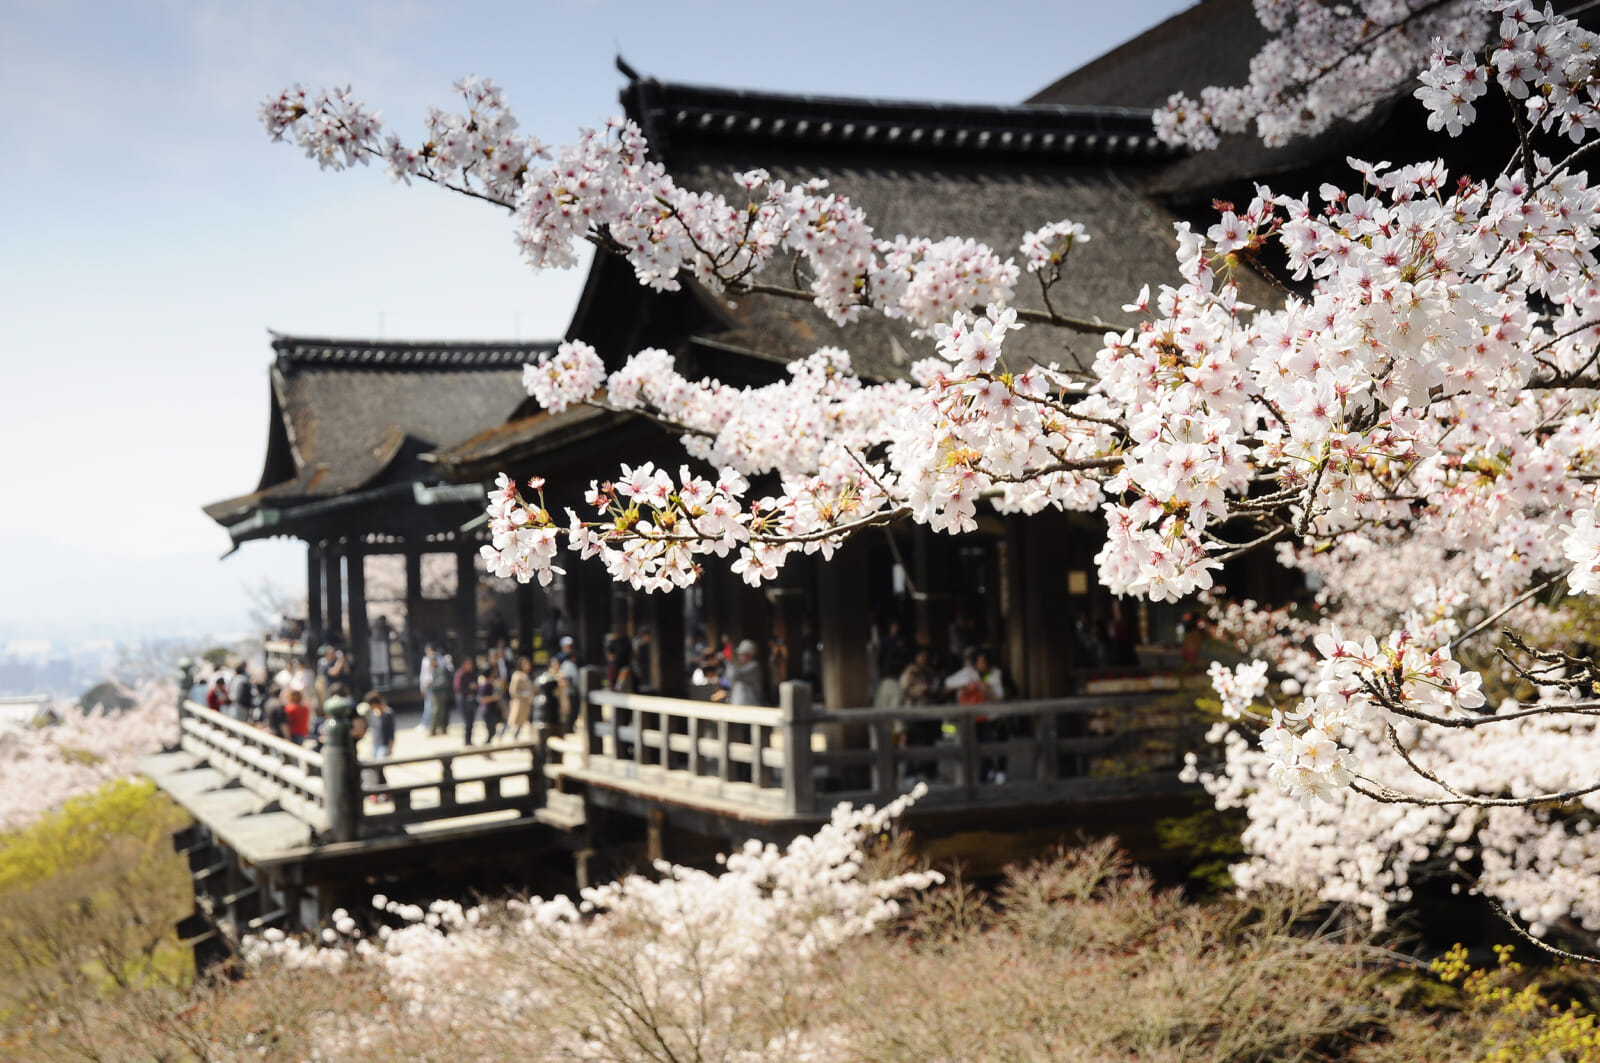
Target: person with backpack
point(242, 694)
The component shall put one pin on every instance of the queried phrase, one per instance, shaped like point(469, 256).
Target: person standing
point(443, 688)
point(380, 728)
point(917, 685)
point(217, 697)
point(379, 652)
point(430, 665)
point(520, 691)
point(744, 678)
point(297, 714)
point(241, 694)
point(466, 691)
point(490, 707)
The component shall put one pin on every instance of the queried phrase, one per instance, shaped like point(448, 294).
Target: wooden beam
point(360, 634)
point(466, 603)
point(845, 619)
point(333, 591)
point(666, 645)
point(313, 596)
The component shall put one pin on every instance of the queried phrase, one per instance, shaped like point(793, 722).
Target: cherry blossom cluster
point(848, 455)
point(1324, 62)
point(1547, 62)
point(688, 946)
point(604, 188)
point(1426, 398)
point(1541, 863)
point(41, 766)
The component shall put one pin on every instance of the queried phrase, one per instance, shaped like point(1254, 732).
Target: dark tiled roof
point(1210, 43)
point(356, 414)
point(300, 351)
point(935, 170)
point(1131, 244)
point(677, 116)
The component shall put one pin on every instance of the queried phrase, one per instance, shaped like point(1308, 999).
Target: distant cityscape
point(64, 670)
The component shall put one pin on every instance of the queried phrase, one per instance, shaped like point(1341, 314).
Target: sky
point(153, 234)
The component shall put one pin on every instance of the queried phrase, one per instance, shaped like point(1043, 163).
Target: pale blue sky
point(153, 234)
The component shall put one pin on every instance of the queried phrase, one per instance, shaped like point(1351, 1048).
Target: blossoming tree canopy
point(1428, 383)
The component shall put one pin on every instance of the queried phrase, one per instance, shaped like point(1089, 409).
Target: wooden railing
point(420, 800)
point(324, 789)
point(798, 761)
point(263, 763)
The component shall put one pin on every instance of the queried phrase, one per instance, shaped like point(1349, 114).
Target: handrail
point(703, 710)
point(451, 754)
point(1076, 746)
point(1072, 705)
point(255, 735)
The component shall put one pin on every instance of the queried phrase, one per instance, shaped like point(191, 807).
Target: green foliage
point(1208, 844)
point(89, 895)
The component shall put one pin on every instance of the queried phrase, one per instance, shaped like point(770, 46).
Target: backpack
point(974, 693)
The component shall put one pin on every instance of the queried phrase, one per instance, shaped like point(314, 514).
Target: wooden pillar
point(593, 621)
point(845, 619)
point(313, 596)
point(525, 619)
point(333, 589)
point(1014, 575)
point(1044, 607)
point(414, 605)
point(360, 651)
point(666, 645)
point(466, 603)
point(933, 558)
point(713, 585)
point(789, 623)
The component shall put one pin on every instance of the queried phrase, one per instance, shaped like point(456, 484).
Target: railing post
point(794, 719)
point(967, 747)
point(1046, 732)
point(341, 772)
point(537, 781)
point(589, 679)
point(883, 783)
point(185, 684)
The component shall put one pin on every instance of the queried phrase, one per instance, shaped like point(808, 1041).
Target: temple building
point(386, 447)
point(351, 422)
point(1023, 586)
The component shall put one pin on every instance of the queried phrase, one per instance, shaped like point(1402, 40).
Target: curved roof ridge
point(310, 351)
point(683, 114)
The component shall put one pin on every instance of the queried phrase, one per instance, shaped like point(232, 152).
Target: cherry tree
point(43, 765)
point(1424, 395)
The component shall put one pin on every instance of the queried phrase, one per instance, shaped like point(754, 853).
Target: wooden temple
point(1024, 587)
point(350, 426)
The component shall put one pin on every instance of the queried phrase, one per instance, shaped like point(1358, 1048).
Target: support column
point(593, 622)
point(933, 558)
point(666, 645)
point(414, 607)
point(360, 650)
point(789, 623)
point(466, 604)
point(525, 620)
point(333, 590)
point(1049, 652)
point(845, 619)
point(313, 637)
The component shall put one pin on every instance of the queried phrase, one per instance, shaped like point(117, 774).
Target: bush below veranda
point(1075, 957)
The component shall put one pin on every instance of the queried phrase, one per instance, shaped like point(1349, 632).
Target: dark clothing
point(276, 719)
point(489, 710)
point(382, 729)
